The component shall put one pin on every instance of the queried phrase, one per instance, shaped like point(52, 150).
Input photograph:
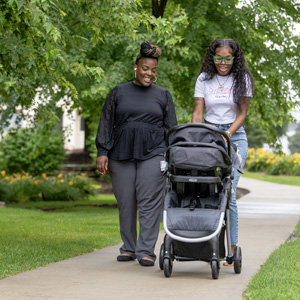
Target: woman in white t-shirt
point(222, 95)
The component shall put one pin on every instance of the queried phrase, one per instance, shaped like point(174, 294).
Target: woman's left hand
point(102, 163)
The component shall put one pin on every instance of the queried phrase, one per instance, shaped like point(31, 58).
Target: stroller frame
point(210, 243)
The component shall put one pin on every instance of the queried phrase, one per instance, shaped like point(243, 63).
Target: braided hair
point(239, 70)
point(148, 50)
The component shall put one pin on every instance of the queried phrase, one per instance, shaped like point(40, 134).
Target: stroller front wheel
point(214, 269)
point(161, 256)
point(237, 260)
point(167, 267)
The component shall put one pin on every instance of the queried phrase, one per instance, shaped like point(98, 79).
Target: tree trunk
point(158, 9)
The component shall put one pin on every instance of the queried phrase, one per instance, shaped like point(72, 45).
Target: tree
point(264, 29)
point(294, 141)
point(41, 42)
point(256, 136)
point(87, 47)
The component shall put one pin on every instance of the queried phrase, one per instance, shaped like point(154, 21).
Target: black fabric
point(134, 121)
point(200, 148)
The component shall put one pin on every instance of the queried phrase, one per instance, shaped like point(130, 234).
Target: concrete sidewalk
point(268, 215)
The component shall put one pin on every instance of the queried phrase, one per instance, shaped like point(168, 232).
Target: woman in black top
point(131, 144)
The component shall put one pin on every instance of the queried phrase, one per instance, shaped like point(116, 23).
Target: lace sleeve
point(170, 119)
point(105, 135)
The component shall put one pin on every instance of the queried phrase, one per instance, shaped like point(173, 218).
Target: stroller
point(196, 205)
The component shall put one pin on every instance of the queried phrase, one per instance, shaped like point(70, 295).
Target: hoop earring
point(155, 79)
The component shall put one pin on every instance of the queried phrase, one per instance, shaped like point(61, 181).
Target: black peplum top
point(133, 122)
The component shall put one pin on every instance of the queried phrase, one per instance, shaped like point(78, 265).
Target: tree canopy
point(87, 47)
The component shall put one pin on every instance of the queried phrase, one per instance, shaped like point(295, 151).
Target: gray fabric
point(180, 217)
point(138, 185)
point(196, 158)
point(200, 148)
point(197, 220)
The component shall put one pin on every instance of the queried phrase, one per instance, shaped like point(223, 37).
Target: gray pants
point(138, 185)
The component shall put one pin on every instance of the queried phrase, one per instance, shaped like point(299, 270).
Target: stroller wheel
point(167, 267)
point(237, 260)
point(214, 269)
point(161, 256)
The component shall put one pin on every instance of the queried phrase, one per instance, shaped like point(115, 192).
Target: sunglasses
point(227, 60)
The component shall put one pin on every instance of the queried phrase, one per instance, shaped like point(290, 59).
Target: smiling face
point(145, 71)
point(223, 69)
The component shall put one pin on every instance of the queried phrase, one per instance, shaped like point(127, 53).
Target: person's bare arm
point(198, 112)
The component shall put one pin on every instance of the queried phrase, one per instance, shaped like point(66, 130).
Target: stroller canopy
point(197, 147)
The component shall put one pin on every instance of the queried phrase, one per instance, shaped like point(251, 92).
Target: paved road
point(268, 215)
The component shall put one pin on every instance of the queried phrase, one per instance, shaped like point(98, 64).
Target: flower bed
point(259, 160)
point(23, 187)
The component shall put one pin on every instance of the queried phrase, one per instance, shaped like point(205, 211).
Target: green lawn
point(288, 180)
point(30, 238)
point(33, 235)
point(279, 277)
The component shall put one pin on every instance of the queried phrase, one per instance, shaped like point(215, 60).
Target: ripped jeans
point(239, 138)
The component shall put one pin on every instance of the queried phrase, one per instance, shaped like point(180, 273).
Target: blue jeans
point(239, 138)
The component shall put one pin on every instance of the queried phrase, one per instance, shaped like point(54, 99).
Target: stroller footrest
point(191, 234)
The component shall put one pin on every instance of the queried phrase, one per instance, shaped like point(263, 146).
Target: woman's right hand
point(102, 163)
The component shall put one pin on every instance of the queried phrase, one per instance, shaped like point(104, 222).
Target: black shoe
point(146, 263)
point(124, 258)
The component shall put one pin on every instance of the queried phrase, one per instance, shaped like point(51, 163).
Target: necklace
point(221, 86)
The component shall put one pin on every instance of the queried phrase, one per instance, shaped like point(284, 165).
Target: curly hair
point(239, 70)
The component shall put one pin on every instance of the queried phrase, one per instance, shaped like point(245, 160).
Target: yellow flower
point(59, 175)
point(36, 182)
point(84, 187)
point(44, 175)
point(70, 182)
point(62, 181)
point(257, 160)
point(3, 173)
point(40, 195)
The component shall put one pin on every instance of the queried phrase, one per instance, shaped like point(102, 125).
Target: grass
point(288, 180)
point(279, 277)
point(30, 238)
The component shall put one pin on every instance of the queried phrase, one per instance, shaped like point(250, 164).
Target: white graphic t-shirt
point(218, 98)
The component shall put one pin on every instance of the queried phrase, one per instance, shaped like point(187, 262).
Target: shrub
point(272, 163)
point(296, 168)
point(32, 151)
point(22, 187)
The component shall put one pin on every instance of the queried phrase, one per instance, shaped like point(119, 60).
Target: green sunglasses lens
point(227, 60)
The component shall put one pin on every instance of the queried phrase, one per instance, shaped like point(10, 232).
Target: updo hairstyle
point(148, 50)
